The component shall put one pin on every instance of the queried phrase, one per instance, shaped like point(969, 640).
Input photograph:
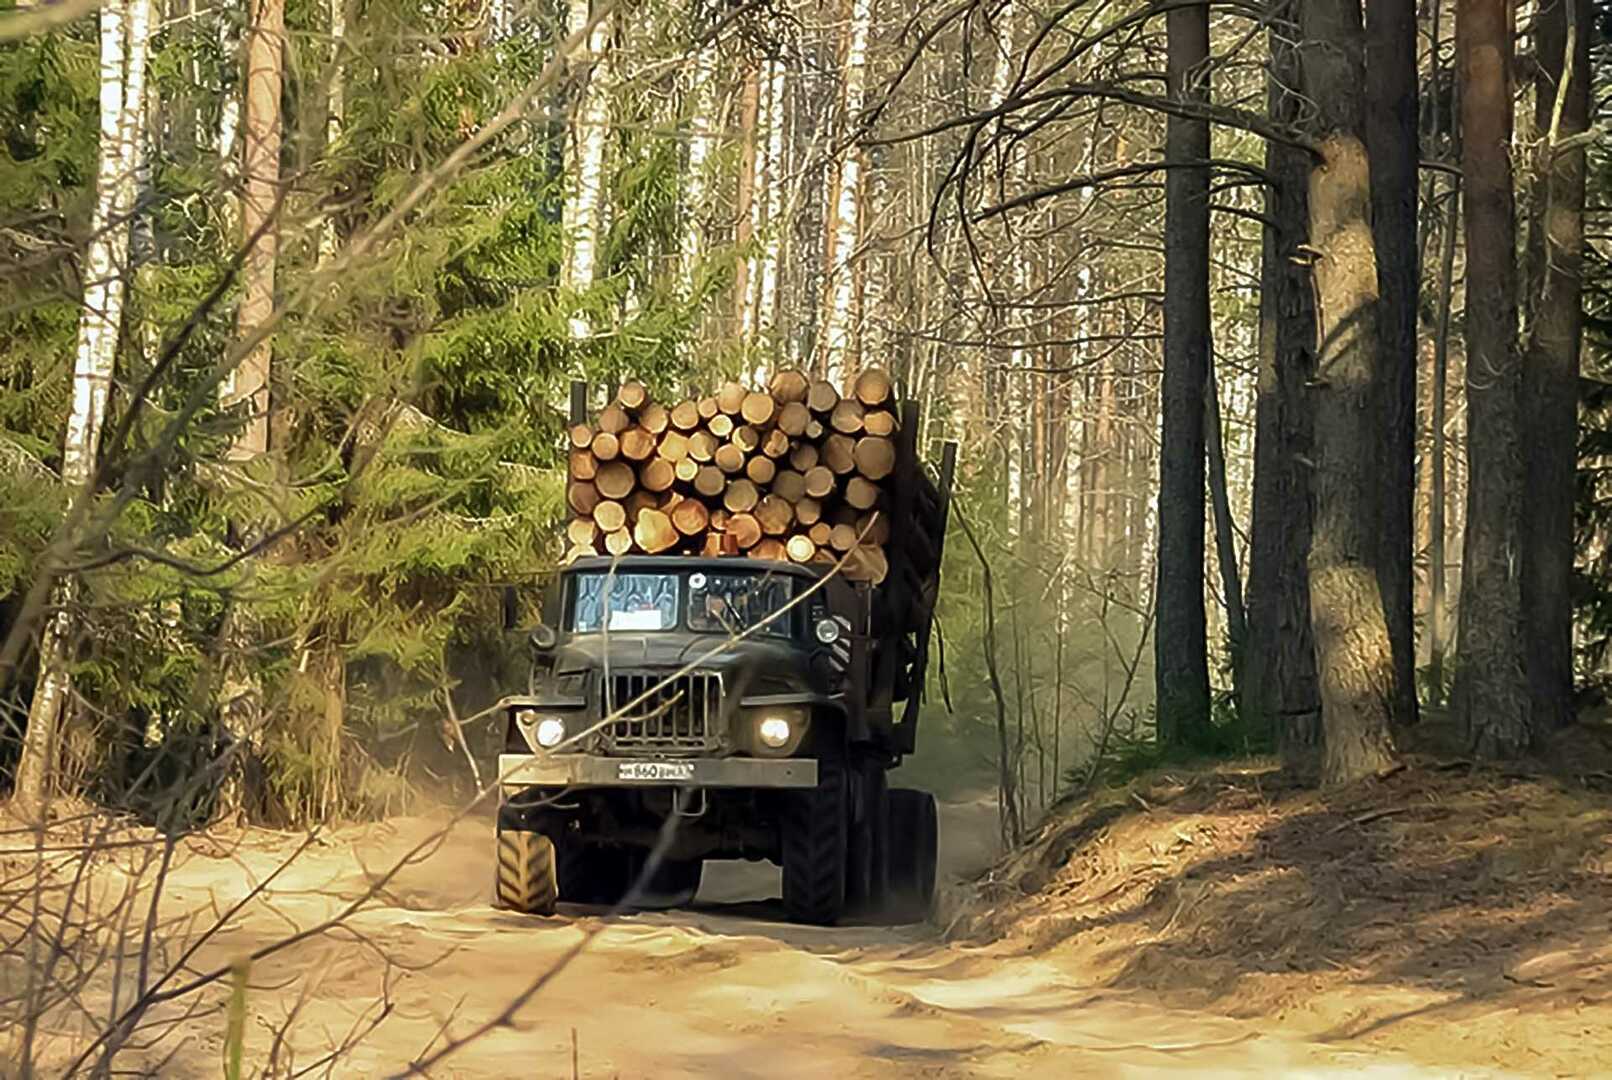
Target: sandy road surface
point(722, 989)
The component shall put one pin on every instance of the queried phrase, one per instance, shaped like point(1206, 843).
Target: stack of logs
point(797, 473)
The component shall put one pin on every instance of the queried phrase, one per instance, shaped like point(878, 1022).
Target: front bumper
point(588, 770)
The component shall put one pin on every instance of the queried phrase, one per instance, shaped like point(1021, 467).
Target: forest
point(1274, 333)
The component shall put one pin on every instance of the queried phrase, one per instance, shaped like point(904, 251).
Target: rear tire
point(527, 880)
point(815, 847)
point(914, 837)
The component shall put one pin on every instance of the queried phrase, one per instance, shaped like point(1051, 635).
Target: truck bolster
point(586, 770)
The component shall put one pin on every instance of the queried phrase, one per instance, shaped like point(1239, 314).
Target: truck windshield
point(629, 602)
point(733, 603)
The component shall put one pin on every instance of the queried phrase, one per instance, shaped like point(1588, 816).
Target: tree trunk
point(336, 104)
point(1353, 656)
point(1225, 534)
point(744, 212)
point(1392, 144)
point(1280, 693)
point(582, 215)
point(1437, 529)
point(1181, 645)
point(1491, 694)
point(260, 165)
point(125, 34)
point(844, 217)
point(1550, 375)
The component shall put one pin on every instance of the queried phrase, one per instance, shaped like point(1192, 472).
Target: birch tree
point(125, 34)
point(583, 214)
point(844, 209)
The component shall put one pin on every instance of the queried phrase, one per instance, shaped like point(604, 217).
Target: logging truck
point(730, 660)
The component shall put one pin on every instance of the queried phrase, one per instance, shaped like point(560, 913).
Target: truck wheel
point(814, 843)
point(914, 834)
point(526, 881)
point(867, 886)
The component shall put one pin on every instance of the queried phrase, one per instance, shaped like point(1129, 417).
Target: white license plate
point(655, 770)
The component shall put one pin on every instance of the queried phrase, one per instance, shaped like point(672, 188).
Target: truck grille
point(681, 715)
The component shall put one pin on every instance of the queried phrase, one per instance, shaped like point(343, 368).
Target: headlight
point(827, 630)
point(774, 731)
point(550, 730)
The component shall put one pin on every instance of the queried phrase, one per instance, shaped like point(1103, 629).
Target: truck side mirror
point(543, 637)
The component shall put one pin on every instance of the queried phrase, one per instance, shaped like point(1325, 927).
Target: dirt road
point(721, 989)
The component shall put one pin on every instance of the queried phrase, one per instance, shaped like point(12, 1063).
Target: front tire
point(815, 847)
point(914, 838)
point(527, 880)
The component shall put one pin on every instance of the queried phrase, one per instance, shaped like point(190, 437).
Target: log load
point(794, 470)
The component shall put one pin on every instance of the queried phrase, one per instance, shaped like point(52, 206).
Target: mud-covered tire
point(814, 843)
point(914, 839)
point(867, 885)
point(527, 879)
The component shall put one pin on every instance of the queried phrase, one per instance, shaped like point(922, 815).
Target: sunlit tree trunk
point(248, 383)
point(1353, 656)
point(701, 142)
point(1550, 375)
point(1491, 693)
point(1181, 663)
point(336, 102)
point(125, 34)
point(773, 201)
point(1391, 141)
point(845, 211)
point(744, 212)
point(582, 219)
